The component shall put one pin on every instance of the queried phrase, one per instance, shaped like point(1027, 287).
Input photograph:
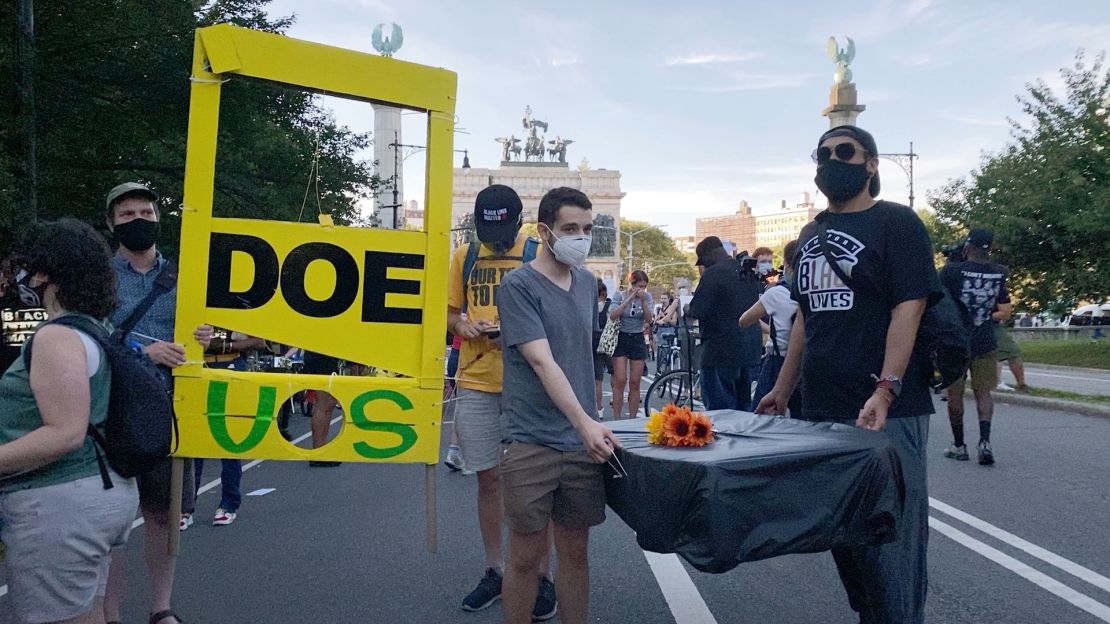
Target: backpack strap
point(165, 282)
point(468, 267)
point(823, 241)
point(531, 248)
point(100, 337)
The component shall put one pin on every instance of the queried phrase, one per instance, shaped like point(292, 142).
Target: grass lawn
point(1069, 396)
point(1083, 353)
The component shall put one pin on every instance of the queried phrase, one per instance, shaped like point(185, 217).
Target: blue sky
point(702, 104)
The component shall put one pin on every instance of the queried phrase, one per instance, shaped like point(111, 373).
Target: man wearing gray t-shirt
point(551, 468)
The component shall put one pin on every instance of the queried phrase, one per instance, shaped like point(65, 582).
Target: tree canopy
point(1046, 195)
point(653, 250)
point(112, 101)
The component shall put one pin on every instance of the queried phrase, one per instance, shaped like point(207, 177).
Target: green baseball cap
point(125, 189)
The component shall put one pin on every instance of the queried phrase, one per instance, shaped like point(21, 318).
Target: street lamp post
point(632, 234)
point(905, 162)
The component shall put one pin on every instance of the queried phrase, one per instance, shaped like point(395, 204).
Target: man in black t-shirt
point(717, 305)
point(855, 331)
point(980, 287)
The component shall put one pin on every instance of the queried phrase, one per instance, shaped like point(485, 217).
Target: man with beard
point(864, 276)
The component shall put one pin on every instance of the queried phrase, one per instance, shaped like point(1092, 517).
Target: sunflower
point(701, 431)
point(676, 427)
point(655, 428)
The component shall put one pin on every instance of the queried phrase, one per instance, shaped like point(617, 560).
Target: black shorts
point(317, 364)
point(631, 346)
point(154, 487)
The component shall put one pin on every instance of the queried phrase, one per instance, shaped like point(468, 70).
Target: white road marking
point(204, 488)
point(1049, 584)
point(682, 596)
point(261, 492)
point(1006, 537)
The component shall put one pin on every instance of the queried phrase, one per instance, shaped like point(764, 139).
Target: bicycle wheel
point(663, 360)
point(671, 387)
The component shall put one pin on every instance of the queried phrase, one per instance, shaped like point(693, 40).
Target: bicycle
point(668, 355)
point(680, 386)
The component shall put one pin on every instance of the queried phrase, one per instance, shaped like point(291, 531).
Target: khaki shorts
point(541, 484)
point(984, 374)
point(59, 538)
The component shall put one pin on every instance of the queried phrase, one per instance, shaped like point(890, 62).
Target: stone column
point(843, 108)
point(387, 131)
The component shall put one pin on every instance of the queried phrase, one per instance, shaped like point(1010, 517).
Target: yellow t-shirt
point(480, 366)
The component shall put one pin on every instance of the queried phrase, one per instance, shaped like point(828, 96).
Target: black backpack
point(943, 339)
point(141, 425)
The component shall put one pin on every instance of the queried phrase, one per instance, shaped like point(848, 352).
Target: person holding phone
point(633, 310)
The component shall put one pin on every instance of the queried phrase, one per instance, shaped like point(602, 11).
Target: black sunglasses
point(844, 152)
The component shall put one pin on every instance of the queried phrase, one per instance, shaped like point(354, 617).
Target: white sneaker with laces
point(186, 521)
point(223, 518)
point(1004, 388)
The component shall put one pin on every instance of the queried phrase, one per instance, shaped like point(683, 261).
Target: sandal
point(155, 618)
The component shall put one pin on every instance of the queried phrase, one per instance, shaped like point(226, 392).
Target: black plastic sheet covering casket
point(765, 487)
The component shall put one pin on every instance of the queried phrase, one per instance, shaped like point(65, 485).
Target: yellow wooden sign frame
point(224, 413)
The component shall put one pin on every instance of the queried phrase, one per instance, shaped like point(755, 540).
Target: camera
point(954, 252)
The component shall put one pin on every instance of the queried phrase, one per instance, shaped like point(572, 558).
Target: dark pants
point(887, 584)
point(231, 475)
point(768, 375)
point(744, 379)
point(718, 390)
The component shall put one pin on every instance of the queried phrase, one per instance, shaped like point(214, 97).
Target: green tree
point(112, 82)
point(653, 250)
point(1046, 195)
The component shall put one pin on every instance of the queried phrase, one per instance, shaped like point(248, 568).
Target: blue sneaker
point(546, 605)
point(485, 594)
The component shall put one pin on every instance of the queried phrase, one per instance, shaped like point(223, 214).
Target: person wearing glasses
point(863, 277)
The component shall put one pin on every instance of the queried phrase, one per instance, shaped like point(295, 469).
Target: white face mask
point(571, 250)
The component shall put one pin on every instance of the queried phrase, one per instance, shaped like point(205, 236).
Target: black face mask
point(841, 181)
point(137, 234)
point(500, 247)
point(30, 296)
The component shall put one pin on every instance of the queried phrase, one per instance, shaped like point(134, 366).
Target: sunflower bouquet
point(675, 426)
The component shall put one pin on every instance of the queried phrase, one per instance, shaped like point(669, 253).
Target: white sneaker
point(454, 458)
point(1004, 388)
point(223, 518)
point(186, 521)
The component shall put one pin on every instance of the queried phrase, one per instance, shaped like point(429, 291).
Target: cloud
point(706, 59)
point(974, 121)
point(753, 82)
point(869, 95)
point(564, 61)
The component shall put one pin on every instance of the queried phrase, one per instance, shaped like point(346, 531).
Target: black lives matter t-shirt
point(886, 253)
point(979, 287)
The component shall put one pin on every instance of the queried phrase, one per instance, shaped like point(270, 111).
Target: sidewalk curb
point(1060, 405)
point(1058, 367)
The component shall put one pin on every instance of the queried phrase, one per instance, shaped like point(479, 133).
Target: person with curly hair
point(56, 517)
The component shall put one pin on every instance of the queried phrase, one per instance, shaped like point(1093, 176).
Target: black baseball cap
point(981, 238)
point(707, 245)
point(497, 214)
point(862, 137)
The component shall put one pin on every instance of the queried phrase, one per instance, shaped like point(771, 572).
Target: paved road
point(1082, 380)
point(1027, 540)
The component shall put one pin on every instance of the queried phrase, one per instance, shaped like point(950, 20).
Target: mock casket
point(765, 487)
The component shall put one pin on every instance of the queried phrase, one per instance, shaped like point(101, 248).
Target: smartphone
point(492, 332)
